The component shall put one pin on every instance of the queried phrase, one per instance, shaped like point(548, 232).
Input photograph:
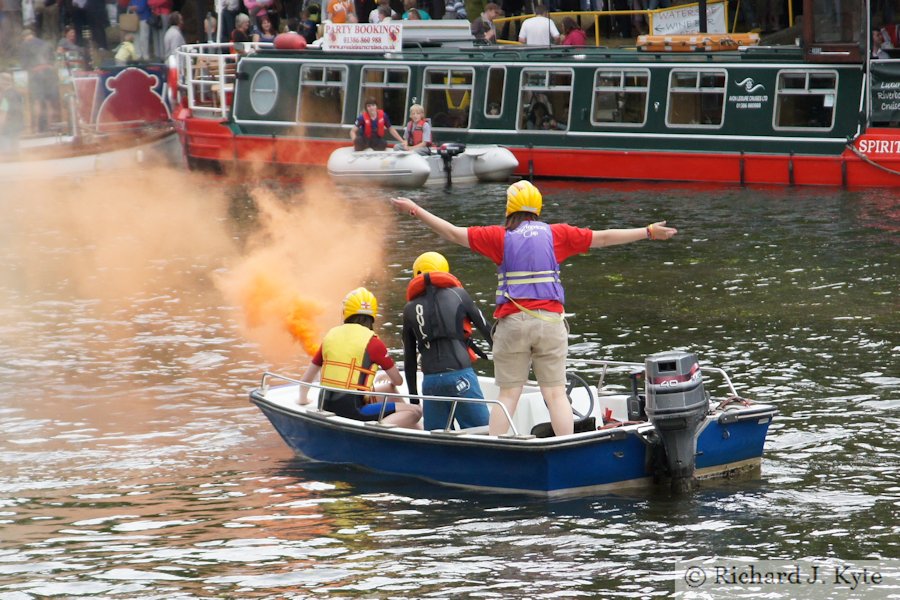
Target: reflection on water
point(131, 464)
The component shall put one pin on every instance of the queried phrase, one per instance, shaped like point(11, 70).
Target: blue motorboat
point(625, 437)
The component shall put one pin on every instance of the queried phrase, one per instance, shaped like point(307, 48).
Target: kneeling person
point(437, 322)
point(349, 358)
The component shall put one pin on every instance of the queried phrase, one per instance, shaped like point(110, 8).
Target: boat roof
point(504, 54)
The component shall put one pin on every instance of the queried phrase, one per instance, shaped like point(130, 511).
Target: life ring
point(172, 80)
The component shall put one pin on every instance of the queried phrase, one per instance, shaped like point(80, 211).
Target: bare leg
point(560, 410)
point(509, 397)
point(406, 415)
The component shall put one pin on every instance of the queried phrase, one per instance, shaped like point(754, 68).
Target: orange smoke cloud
point(266, 303)
point(129, 239)
point(309, 250)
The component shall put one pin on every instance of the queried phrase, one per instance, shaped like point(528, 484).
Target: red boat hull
point(874, 163)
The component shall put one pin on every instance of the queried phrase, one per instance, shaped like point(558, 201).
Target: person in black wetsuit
point(437, 323)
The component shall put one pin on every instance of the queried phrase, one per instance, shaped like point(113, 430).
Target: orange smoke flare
point(301, 324)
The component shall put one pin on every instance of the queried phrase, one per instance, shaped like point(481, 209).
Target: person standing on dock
point(341, 11)
point(437, 323)
point(483, 28)
point(531, 331)
point(370, 127)
point(539, 30)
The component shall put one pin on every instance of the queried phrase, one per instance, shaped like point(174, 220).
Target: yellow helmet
point(523, 196)
point(360, 302)
point(429, 262)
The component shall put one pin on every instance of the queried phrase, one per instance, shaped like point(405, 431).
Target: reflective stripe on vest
point(367, 124)
point(345, 363)
point(529, 270)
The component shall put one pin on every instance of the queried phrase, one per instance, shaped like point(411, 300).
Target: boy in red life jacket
point(418, 130)
point(437, 323)
point(370, 128)
point(530, 330)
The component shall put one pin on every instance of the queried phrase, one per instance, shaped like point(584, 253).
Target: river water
point(133, 466)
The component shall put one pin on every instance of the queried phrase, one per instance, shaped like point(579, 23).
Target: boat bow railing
point(206, 75)
point(264, 388)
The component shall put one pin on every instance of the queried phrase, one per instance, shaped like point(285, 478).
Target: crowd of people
point(530, 332)
point(262, 20)
point(150, 22)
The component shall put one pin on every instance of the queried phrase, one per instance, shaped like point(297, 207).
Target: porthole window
point(263, 91)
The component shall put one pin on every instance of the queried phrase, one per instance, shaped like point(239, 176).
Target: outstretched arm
point(445, 229)
point(612, 237)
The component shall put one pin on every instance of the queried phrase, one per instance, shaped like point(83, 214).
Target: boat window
point(493, 108)
point(620, 97)
point(448, 94)
point(696, 98)
point(805, 100)
point(838, 22)
point(322, 93)
point(263, 91)
point(545, 100)
point(389, 87)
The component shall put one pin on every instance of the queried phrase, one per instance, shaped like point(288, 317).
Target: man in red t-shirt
point(531, 331)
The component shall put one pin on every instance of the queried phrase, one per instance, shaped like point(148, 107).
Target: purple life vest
point(529, 270)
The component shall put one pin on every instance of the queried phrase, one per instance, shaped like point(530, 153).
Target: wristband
point(649, 232)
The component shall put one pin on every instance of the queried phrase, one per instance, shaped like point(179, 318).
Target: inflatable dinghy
point(446, 164)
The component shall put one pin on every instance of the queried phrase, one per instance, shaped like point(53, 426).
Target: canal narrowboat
point(816, 111)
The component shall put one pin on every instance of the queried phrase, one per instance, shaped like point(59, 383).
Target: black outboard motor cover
point(676, 405)
point(451, 149)
point(447, 152)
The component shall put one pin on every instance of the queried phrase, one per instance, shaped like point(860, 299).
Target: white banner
point(371, 37)
point(686, 19)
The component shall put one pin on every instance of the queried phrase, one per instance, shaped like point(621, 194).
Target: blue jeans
point(456, 384)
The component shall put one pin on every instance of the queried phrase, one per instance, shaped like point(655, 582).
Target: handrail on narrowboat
point(264, 387)
point(206, 75)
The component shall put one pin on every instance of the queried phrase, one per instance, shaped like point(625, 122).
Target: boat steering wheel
point(575, 381)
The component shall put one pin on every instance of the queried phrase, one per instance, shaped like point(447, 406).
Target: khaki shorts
point(522, 341)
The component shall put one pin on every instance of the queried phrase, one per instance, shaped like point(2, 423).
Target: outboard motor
point(676, 405)
point(447, 152)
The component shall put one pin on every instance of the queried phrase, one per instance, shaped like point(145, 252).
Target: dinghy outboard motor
point(676, 405)
point(447, 152)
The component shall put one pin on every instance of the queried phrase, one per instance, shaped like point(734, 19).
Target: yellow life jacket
point(345, 363)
